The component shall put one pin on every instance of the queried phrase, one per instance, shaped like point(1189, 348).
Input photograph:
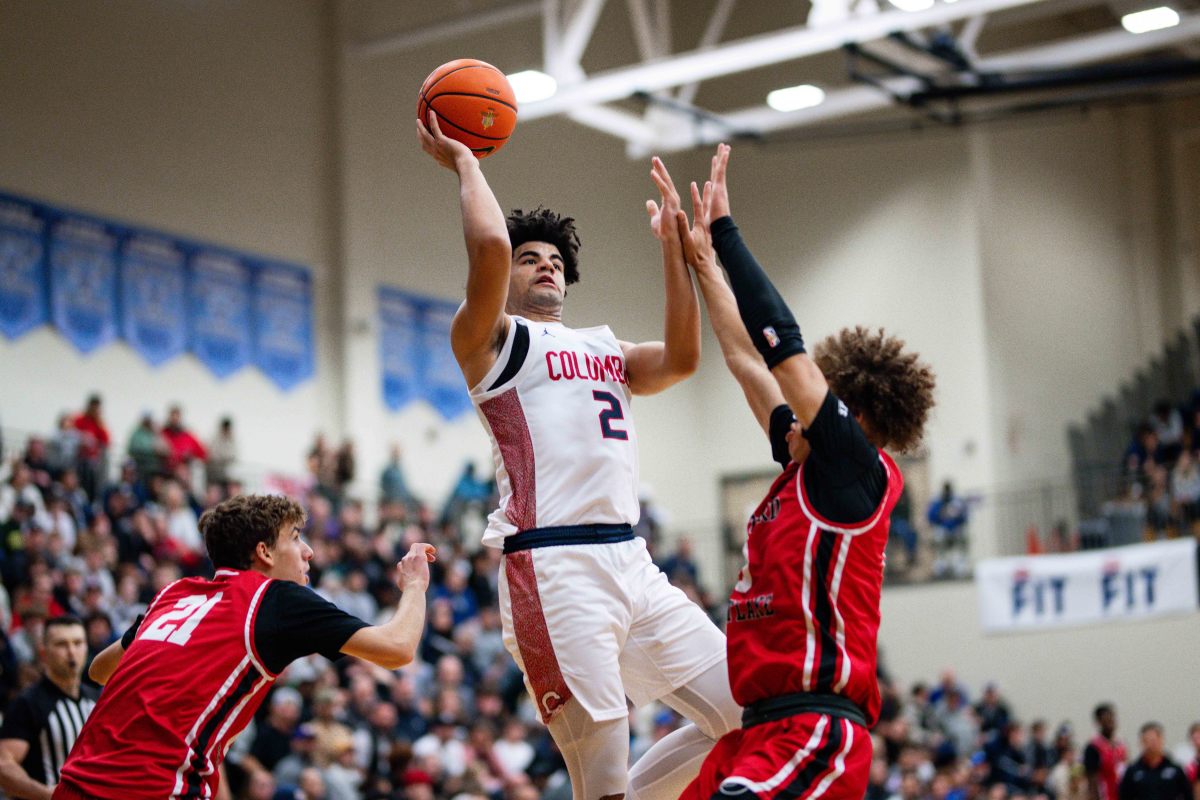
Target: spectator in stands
point(20, 488)
point(345, 466)
point(680, 566)
point(36, 459)
point(1193, 765)
point(957, 721)
point(147, 448)
point(94, 439)
point(1185, 489)
point(468, 491)
point(1040, 755)
point(181, 526)
point(392, 485)
point(63, 447)
point(1154, 776)
point(1143, 450)
point(1006, 758)
point(1168, 426)
point(902, 528)
point(222, 454)
point(991, 709)
point(1158, 500)
point(1105, 755)
point(272, 740)
point(948, 516)
point(183, 445)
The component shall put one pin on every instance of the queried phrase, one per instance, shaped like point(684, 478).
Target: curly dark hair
point(870, 372)
point(233, 529)
point(543, 225)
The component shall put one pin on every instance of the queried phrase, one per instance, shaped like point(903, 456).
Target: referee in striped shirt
point(41, 724)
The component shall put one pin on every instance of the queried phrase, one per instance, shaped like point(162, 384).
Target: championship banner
point(283, 346)
point(153, 311)
point(1091, 587)
point(219, 311)
point(83, 282)
point(398, 349)
point(22, 268)
point(441, 380)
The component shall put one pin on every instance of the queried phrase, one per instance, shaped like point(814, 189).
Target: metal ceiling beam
point(1116, 43)
point(753, 52)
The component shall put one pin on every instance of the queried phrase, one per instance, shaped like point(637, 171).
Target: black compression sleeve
point(128, 636)
point(782, 420)
point(843, 476)
point(767, 318)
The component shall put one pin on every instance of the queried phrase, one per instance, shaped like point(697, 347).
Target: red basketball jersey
point(155, 735)
point(804, 613)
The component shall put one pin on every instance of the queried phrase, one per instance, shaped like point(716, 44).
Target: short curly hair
point(233, 529)
point(872, 374)
point(543, 225)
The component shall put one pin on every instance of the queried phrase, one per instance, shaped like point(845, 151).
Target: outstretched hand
point(663, 221)
point(445, 151)
point(719, 201)
point(697, 240)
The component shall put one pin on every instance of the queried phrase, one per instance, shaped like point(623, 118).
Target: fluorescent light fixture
point(1152, 19)
point(530, 86)
point(794, 98)
point(912, 5)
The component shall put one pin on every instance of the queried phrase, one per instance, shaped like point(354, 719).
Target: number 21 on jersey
point(176, 625)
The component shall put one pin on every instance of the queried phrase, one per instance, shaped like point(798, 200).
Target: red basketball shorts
point(806, 756)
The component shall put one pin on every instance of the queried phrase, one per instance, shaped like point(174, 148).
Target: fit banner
point(1090, 587)
point(442, 383)
point(153, 311)
point(219, 311)
point(22, 268)
point(283, 346)
point(83, 281)
point(398, 350)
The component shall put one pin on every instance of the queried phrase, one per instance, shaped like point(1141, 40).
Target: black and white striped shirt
point(49, 720)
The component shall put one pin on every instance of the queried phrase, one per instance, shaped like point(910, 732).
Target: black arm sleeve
point(782, 419)
point(128, 636)
point(768, 320)
point(843, 477)
point(1091, 759)
point(293, 621)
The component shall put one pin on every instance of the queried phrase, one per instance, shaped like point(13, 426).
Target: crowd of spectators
point(938, 742)
point(1161, 469)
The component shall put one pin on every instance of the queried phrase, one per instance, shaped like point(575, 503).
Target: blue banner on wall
point(399, 313)
point(219, 311)
point(283, 346)
point(153, 311)
point(442, 383)
point(83, 281)
point(22, 268)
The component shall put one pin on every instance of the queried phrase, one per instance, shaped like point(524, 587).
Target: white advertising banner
point(1096, 586)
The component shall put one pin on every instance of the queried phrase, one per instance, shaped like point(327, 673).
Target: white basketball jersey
point(562, 433)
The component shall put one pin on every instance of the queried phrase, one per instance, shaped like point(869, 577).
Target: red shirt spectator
point(95, 432)
point(184, 445)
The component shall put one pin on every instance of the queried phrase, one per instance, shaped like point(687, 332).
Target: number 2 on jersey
point(613, 412)
point(176, 625)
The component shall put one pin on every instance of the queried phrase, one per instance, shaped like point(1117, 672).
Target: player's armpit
point(476, 340)
point(651, 368)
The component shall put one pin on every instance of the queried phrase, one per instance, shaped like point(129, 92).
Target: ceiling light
point(1152, 19)
point(531, 86)
point(912, 5)
point(794, 98)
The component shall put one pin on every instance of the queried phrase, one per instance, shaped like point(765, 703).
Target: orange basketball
point(473, 102)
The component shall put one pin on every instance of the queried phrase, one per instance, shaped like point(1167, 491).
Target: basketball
point(474, 103)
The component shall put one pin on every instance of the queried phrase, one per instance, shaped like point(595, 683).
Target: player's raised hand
point(663, 221)
point(719, 201)
point(697, 239)
point(449, 153)
point(413, 569)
